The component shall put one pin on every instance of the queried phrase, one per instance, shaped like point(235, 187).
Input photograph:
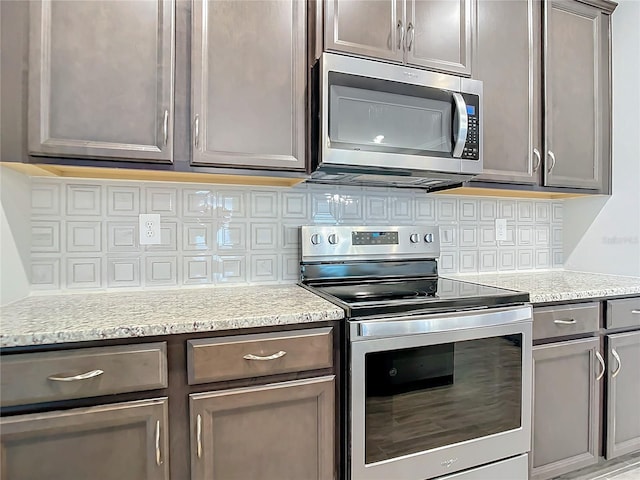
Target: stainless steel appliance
point(379, 123)
point(439, 370)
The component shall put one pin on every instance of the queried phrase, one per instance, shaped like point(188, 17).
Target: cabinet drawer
point(560, 321)
point(624, 312)
point(87, 372)
point(243, 356)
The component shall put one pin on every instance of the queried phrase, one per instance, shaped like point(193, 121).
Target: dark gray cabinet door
point(281, 431)
point(248, 74)
point(124, 441)
point(101, 79)
point(439, 34)
point(623, 394)
point(566, 404)
point(373, 28)
point(508, 61)
point(577, 93)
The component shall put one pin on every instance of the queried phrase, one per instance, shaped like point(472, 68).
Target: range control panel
point(378, 242)
point(471, 149)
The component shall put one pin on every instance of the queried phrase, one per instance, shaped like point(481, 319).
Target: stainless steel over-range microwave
point(376, 122)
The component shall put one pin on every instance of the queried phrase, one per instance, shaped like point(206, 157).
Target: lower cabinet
point(623, 394)
point(566, 405)
point(122, 441)
point(281, 431)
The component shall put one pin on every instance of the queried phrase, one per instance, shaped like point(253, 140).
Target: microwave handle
point(461, 120)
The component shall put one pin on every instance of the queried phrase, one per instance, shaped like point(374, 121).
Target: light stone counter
point(49, 319)
point(558, 285)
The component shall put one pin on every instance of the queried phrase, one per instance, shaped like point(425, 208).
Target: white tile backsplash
point(85, 232)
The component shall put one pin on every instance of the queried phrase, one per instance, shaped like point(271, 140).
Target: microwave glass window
point(419, 399)
point(365, 119)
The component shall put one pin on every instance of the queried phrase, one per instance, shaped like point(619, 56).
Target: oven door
point(438, 394)
point(390, 116)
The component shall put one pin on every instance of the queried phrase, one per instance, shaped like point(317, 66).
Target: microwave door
point(362, 119)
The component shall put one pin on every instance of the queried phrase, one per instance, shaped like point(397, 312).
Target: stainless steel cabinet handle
point(158, 458)
point(400, 27)
point(411, 32)
point(196, 128)
point(279, 354)
point(460, 116)
point(199, 435)
point(565, 322)
point(536, 152)
point(73, 378)
point(617, 357)
point(635, 312)
point(553, 161)
point(601, 360)
point(165, 126)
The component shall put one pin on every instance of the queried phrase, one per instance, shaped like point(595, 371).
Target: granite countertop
point(50, 319)
point(558, 285)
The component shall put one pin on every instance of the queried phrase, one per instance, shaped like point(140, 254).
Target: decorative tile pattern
point(45, 236)
point(84, 272)
point(123, 272)
point(45, 273)
point(84, 237)
point(84, 200)
point(123, 201)
point(85, 233)
point(162, 200)
point(161, 271)
point(197, 270)
point(45, 199)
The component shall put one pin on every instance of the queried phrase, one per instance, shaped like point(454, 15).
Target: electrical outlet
point(149, 228)
point(501, 229)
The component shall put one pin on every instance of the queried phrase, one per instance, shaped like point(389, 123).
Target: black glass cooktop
point(362, 298)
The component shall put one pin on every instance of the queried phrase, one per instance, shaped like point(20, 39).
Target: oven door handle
point(441, 323)
point(461, 119)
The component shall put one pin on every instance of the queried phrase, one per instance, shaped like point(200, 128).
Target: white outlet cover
point(149, 226)
point(501, 229)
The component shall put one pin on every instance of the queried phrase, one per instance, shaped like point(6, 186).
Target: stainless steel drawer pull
point(199, 435)
point(635, 312)
point(73, 378)
point(401, 34)
point(279, 354)
point(571, 321)
point(536, 152)
point(601, 360)
point(158, 458)
point(553, 161)
point(617, 357)
point(165, 126)
point(196, 133)
point(411, 33)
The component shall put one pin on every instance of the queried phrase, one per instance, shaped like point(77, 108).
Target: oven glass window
point(423, 398)
point(370, 115)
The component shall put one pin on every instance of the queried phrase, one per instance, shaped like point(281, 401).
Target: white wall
point(602, 234)
point(15, 235)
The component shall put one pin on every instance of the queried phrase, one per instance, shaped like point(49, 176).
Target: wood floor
point(623, 468)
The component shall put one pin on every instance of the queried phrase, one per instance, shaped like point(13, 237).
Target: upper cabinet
point(508, 61)
point(434, 34)
point(577, 95)
point(101, 79)
point(570, 146)
point(248, 83)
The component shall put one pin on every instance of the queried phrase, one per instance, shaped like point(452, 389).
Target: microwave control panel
point(471, 149)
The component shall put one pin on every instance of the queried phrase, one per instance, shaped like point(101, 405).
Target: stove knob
point(333, 239)
point(414, 238)
point(428, 237)
point(316, 239)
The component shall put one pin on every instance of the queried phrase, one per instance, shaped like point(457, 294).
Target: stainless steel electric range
point(439, 370)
